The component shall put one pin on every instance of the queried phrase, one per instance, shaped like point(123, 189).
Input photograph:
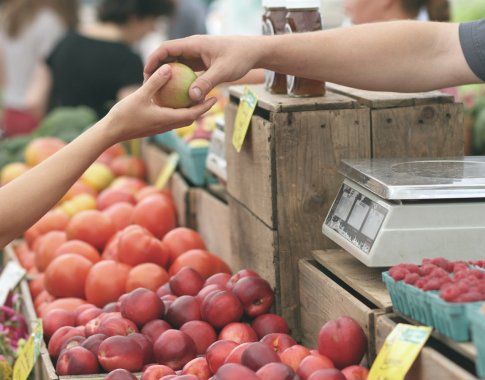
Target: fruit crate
point(427, 307)
point(283, 181)
point(477, 324)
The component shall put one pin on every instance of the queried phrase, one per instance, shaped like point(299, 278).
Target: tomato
point(81, 248)
point(36, 285)
point(131, 184)
point(130, 166)
point(25, 256)
point(42, 300)
point(112, 152)
point(148, 275)
point(91, 226)
point(110, 252)
point(156, 214)
point(67, 304)
point(46, 246)
point(78, 188)
point(106, 282)
point(54, 220)
point(110, 196)
point(151, 190)
point(136, 245)
point(66, 275)
point(181, 240)
point(202, 261)
point(121, 214)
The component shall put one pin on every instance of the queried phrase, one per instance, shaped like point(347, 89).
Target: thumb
point(157, 80)
point(204, 83)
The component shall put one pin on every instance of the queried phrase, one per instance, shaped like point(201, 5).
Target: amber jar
point(274, 21)
point(303, 16)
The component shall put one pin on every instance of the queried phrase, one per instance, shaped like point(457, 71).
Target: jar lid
point(274, 3)
point(302, 4)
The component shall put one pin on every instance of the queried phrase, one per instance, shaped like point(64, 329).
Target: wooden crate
point(437, 360)
point(324, 296)
point(286, 177)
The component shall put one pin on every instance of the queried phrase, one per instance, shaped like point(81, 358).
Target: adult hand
point(222, 59)
point(138, 116)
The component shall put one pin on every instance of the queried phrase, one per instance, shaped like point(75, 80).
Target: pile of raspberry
point(456, 281)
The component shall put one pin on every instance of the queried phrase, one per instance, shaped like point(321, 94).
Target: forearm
point(403, 56)
point(30, 196)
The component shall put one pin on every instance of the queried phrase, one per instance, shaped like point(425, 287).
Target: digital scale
point(401, 211)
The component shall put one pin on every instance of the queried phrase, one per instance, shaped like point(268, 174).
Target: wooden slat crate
point(283, 182)
point(434, 362)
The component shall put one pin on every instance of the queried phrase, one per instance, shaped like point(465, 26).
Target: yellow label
point(167, 171)
point(244, 114)
point(28, 354)
point(399, 352)
point(135, 147)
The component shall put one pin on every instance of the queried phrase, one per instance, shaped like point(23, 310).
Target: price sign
point(167, 171)
point(9, 279)
point(28, 354)
point(399, 352)
point(244, 114)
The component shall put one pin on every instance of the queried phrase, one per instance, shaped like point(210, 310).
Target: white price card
point(9, 279)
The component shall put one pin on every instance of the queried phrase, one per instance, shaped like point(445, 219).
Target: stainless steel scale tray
point(419, 179)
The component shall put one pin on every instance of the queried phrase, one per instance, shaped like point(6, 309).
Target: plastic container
point(274, 21)
point(476, 319)
point(303, 16)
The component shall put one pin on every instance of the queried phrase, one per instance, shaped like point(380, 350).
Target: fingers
point(205, 82)
point(154, 82)
point(185, 116)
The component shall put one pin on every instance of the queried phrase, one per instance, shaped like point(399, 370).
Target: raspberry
point(426, 269)
point(420, 283)
point(432, 284)
point(439, 272)
point(450, 293)
point(441, 262)
point(411, 278)
point(460, 266)
point(471, 297)
point(412, 268)
point(398, 273)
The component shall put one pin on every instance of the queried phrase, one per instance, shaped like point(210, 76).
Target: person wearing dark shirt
point(96, 65)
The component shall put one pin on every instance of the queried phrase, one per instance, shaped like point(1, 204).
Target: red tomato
point(181, 240)
point(121, 214)
point(91, 226)
point(156, 214)
point(66, 275)
point(202, 261)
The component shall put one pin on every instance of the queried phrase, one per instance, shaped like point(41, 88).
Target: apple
point(146, 346)
point(236, 354)
point(255, 295)
point(77, 361)
point(72, 342)
point(237, 276)
point(343, 341)
point(120, 352)
point(55, 319)
point(175, 93)
point(142, 306)
point(269, 323)
point(218, 279)
point(115, 326)
point(234, 371)
point(206, 290)
point(87, 315)
point(58, 339)
point(93, 342)
point(202, 333)
point(277, 371)
point(153, 329)
point(164, 290)
point(258, 354)
point(355, 372)
point(238, 332)
point(174, 348)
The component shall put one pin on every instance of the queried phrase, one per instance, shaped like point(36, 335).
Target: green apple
point(175, 93)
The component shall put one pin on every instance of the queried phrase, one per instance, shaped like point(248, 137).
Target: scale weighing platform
point(401, 211)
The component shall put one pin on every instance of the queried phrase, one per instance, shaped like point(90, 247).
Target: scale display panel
point(356, 218)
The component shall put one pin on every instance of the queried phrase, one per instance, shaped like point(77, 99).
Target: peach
point(234, 371)
point(147, 275)
point(202, 333)
point(130, 166)
point(55, 319)
point(278, 342)
point(120, 374)
point(93, 342)
point(73, 341)
point(120, 352)
point(156, 371)
point(239, 275)
point(111, 153)
point(146, 347)
point(110, 196)
point(327, 374)
point(88, 314)
point(41, 148)
point(198, 367)
point(152, 330)
point(238, 332)
point(186, 281)
point(11, 171)
point(58, 339)
point(205, 291)
point(120, 215)
point(218, 352)
point(255, 295)
point(355, 372)
point(221, 308)
point(236, 354)
point(313, 363)
point(343, 341)
point(180, 240)
point(116, 326)
point(175, 93)
point(142, 306)
point(77, 361)
point(293, 356)
point(132, 184)
point(269, 323)
point(218, 279)
point(164, 290)
point(183, 309)
point(258, 354)
point(277, 371)
point(174, 349)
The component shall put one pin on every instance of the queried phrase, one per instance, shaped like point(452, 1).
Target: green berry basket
point(477, 326)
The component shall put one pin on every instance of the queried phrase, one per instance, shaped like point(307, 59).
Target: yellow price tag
point(245, 111)
point(399, 352)
point(28, 354)
point(135, 147)
point(167, 171)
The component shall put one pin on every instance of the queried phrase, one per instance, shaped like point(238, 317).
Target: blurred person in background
point(365, 11)
point(188, 19)
point(28, 31)
point(96, 65)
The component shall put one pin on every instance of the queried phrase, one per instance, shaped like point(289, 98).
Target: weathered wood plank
point(421, 131)
point(250, 173)
point(364, 280)
point(284, 103)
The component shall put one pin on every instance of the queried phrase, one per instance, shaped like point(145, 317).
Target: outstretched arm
point(27, 198)
point(403, 56)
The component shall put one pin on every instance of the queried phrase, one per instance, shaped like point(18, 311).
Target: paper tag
point(135, 147)
point(399, 352)
point(28, 354)
point(167, 171)
point(9, 279)
point(244, 114)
